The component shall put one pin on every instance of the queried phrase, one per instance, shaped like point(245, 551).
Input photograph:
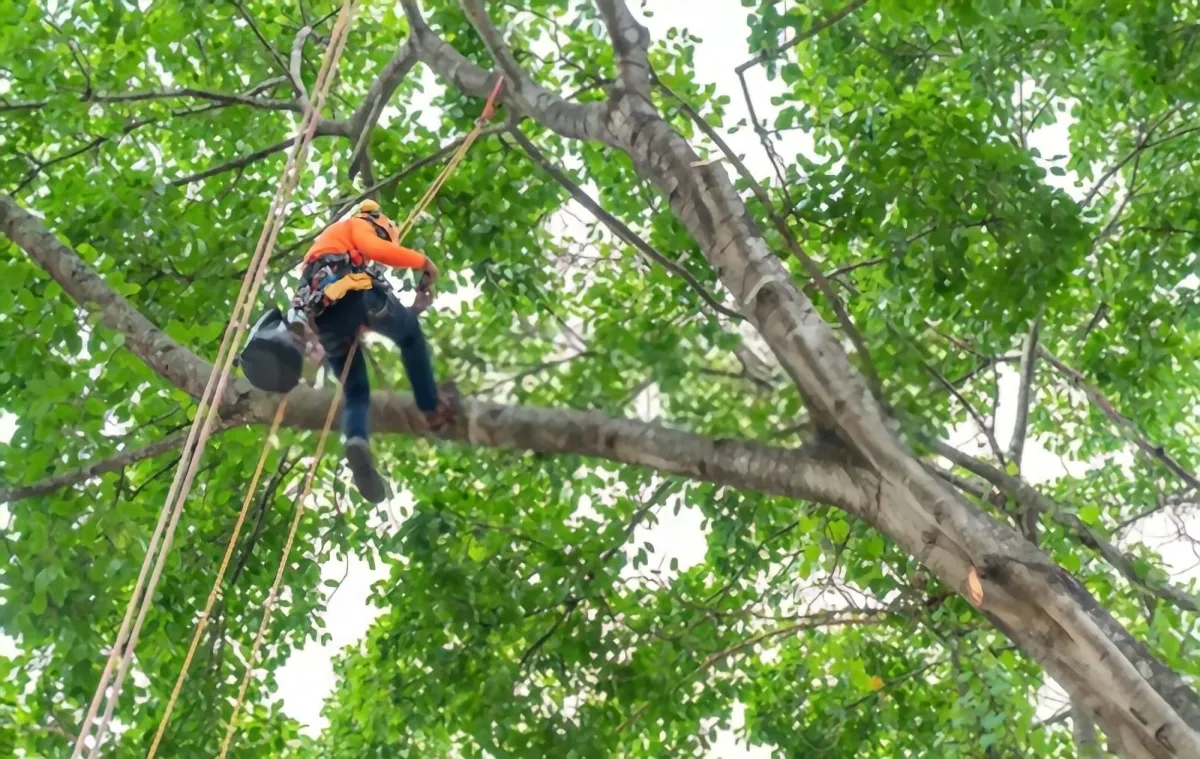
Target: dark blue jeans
point(338, 326)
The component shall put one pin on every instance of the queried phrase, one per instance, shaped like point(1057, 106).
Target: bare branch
point(1153, 450)
point(95, 468)
point(1016, 446)
point(362, 123)
point(294, 64)
point(615, 225)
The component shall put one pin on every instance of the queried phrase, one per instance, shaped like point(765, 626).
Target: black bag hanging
point(272, 360)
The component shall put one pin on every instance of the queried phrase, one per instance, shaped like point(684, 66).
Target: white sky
point(306, 680)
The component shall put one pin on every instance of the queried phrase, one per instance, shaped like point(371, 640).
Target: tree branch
point(766, 55)
point(615, 225)
point(283, 67)
point(362, 123)
point(325, 128)
point(812, 476)
point(576, 120)
point(835, 302)
point(95, 468)
point(1016, 446)
point(1031, 498)
point(1151, 449)
point(1083, 731)
point(1141, 145)
point(631, 46)
point(226, 98)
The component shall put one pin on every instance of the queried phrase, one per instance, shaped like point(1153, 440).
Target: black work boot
point(447, 409)
point(366, 479)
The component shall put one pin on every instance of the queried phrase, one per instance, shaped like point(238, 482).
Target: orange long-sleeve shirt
point(357, 235)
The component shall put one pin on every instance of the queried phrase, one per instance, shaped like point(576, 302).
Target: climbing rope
point(121, 655)
point(272, 596)
point(212, 596)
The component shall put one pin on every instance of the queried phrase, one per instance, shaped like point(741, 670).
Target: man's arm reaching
point(362, 234)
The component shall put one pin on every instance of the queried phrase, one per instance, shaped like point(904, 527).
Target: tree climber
point(343, 294)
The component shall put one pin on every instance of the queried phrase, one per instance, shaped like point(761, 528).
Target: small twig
point(77, 54)
point(294, 66)
point(970, 409)
point(1149, 448)
point(283, 67)
point(616, 226)
point(113, 463)
point(766, 55)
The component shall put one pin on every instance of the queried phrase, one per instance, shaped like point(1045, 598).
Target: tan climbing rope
point(212, 596)
point(273, 595)
point(123, 648)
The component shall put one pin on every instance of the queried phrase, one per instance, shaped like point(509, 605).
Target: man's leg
point(338, 329)
point(401, 326)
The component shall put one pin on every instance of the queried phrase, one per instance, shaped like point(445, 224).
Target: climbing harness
point(270, 324)
point(121, 655)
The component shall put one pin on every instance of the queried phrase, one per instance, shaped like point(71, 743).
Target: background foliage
point(521, 618)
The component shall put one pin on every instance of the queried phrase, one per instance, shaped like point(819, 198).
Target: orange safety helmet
point(385, 228)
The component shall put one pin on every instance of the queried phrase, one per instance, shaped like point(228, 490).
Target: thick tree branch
point(631, 44)
point(1026, 595)
point(577, 120)
point(95, 468)
point(781, 225)
point(1083, 731)
point(813, 476)
point(1143, 443)
point(615, 225)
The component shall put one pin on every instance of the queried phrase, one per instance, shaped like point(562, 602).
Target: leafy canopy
point(524, 613)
